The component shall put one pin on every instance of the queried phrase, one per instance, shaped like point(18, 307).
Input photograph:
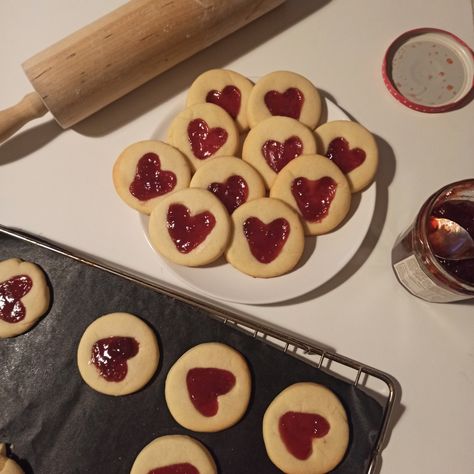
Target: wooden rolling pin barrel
point(119, 52)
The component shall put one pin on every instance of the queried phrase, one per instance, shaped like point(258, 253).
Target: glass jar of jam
point(416, 266)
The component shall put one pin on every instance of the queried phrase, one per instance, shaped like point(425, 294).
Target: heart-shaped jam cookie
point(187, 231)
point(314, 197)
point(181, 468)
point(346, 158)
point(297, 431)
point(150, 180)
point(266, 240)
point(205, 141)
point(278, 154)
point(228, 98)
point(12, 290)
point(110, 356)
point(233, 192)
point(205, 385)
point(288, 103)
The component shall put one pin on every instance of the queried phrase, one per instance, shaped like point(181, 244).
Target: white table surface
point(57, 184)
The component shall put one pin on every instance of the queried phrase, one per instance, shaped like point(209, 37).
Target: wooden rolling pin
point(105, 60)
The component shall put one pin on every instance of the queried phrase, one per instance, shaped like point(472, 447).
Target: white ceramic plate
point(323, 256)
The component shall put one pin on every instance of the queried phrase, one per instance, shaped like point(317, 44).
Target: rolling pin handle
point(13, 118)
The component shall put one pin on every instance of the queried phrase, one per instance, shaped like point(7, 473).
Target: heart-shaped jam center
point(346, 158)
point(150, 180)
point(187, 231)
point(297, 430)
point(110, 356)
point(314, 197)
point(266, 240)
point(181, 468)
point(288, 103)
point(233, 192)
point(278, 154)
point(205, 141)
point(205, 385)
point(228, 98)
point(12, 310)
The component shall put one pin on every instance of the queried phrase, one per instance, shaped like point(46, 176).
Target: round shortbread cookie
point(315, 188)
point(190, 227)
point(208, 388)
point(305, 429)
point(7, 465)
point(147, 171)
point(203, 132)
point(284, 93)
point(267, 240)
point(274, 142)
point(227, 89)
point(24, 296)
point(353, 148)
point(178, 452)
point(118, 354)
point(232, 180)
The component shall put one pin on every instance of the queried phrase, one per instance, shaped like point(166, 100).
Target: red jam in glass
point(233, 192)
point(187, 231)
point(110, 356)
point(205, 385)
point(150, 180)
point(205, 141)
point(278, 154)
point(288, 104)
point(12, 290)
point(314, 197)
point(347, 159)
point(228, 98)
point(461, 212)
point(266, 240)
point(297, 431)
point(181, 468)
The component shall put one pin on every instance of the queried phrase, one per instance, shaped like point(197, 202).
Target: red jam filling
point(205, 385)
point(228, 98)
point(297, 430)
point(233, 192)
point(12, 310)
point(347, 159)
point(110, 356)
point(314, 197)
point(205, 141)
point(266, 240)
point(181, 468)
point(462, 212)
point(278, 154)
point(187, 231)
point(150, 180)
point(288, 104)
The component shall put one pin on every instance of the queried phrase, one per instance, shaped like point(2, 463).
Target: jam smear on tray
point(297, 431)
point(233, 192)
point(205, 141)
point(187, 231)
point(314, 197)
point(12, 290)
point(205, 385)
point(266, 240)
point(461, 212)
point(288, 104)
point(110, 356)
point(278, 154)
point(347, 159)
point(150, 180)
point(181, 468)
point(228, 98)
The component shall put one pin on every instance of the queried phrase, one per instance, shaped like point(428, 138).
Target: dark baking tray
point(57, 424)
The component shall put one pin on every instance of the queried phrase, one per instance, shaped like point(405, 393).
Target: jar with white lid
point(416, 266)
